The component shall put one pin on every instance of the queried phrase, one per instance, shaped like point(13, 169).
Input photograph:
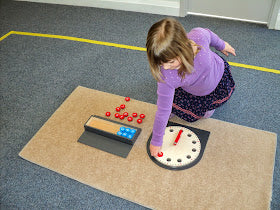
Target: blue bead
point(133, 131)
point(119, 133)
point(127, 130)
point(130, 136)
point(122, 129)
point(124, 134)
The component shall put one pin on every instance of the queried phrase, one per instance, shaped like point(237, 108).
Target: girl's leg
point(208, 114)
point(171, 115)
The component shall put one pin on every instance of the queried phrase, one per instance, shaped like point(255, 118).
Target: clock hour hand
point(178, 137)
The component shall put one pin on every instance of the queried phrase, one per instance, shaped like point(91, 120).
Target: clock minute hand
point(178, 137)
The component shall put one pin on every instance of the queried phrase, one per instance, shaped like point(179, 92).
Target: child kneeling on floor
point(192, 80)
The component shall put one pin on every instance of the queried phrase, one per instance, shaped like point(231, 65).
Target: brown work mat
point(235, 171)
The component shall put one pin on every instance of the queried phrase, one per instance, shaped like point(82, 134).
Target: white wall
point(249, 10)
point(274, 20)
point(277, 25)
point(163, 7)
point(258, 11)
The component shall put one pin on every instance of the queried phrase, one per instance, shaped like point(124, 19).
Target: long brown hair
point(166, 40)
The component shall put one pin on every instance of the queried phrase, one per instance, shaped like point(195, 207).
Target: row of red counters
point(125, 114)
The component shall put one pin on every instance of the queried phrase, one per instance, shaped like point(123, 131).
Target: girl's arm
point(164, 107)
point(219, 44)
point(214, 40)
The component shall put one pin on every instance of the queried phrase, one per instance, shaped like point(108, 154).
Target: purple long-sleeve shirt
point(207, 73)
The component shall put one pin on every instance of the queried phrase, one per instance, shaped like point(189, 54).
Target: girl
point(192, 80)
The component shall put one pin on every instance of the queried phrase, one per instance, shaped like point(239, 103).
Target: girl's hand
point(154, 150)
point(228, 49)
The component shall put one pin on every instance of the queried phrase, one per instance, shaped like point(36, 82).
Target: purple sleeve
point(215, 40)
point(164, 107)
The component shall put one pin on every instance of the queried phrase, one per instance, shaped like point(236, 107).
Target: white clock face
point(180, 147)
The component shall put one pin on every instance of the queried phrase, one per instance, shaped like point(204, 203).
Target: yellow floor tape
point(275, 71)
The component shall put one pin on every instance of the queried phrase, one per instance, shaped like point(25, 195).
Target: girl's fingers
point(225, 52)
point(232, 52)
point(153, 153)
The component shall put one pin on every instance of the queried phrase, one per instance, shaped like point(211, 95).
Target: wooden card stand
point(110, 136)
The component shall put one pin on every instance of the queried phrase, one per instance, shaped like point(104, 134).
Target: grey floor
point(37, 74)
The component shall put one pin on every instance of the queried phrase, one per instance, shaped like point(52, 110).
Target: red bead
point(139, 121)
point(160, 154)
point(127, 98)
point(142, 116)
point(122, 106)
point(121, 117)
point(117, 115)
point(129, 118)
point(118, 109)
point(125, 114)
point(134, 114)
point(108, 114)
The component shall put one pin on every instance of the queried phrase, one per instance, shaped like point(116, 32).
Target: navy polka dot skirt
point(191, 108)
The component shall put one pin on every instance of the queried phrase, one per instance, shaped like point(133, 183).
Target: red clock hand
point(178, 137)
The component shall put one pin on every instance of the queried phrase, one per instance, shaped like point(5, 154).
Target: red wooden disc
point(142, 116)
point(139, 121)
point(160, 154)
